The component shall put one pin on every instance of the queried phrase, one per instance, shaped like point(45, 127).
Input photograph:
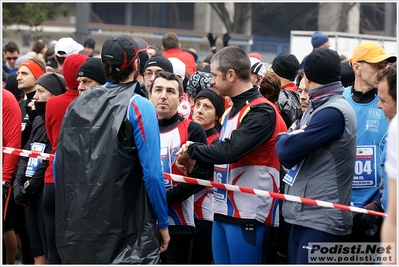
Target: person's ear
point(231, 74)
point(259, 79)
point(356, 68)
point(135, 65)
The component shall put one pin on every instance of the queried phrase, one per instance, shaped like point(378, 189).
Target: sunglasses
point(11, 58)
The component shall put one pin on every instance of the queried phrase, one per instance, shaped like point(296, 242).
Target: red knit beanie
point(70, 68)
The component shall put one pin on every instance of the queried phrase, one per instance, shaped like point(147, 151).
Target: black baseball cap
point(122, 50)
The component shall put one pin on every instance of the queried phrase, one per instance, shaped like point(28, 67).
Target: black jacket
point(255, 129)
point(38, 134)
point(27, 119)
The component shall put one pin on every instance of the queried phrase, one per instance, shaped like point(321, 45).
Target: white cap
point(253, 60)
point(257, 67)
point(179, 68)
point(184, 109)
point(68, 46)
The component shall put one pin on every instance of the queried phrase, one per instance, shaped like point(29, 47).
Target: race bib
point(34, 163)
point(220, 176)
point(165, 163)
point(365, 167)
point(291, 175)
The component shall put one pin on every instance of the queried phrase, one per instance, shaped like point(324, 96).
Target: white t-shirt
point(391, 161)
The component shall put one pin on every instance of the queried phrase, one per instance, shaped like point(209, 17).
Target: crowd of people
point(118, 119)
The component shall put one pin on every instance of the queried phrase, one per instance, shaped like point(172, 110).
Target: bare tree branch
point(221, 10)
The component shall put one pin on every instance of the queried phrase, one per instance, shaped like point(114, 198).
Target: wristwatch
point(6, 184)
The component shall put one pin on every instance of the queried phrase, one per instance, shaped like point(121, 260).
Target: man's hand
point(21, 197)
point(183, 161)
point(366, 221)
point(300, 130)
point(164, 238)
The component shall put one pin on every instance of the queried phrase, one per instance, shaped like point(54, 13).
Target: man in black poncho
point(110, 193)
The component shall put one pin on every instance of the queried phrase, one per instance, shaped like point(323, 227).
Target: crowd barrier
point(246, 190)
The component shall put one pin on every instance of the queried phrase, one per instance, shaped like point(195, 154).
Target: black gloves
point(366, 221)
point(226, 38)
point(212, 41)
point(21, 196)
point(31, 113)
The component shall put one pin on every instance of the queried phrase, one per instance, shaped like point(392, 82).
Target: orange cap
point(371, 53)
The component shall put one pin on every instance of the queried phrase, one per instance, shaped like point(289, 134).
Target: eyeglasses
point(11, 58)
point(379, 65)
point(150, 73)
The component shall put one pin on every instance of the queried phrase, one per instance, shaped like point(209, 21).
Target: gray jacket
point(326, 174)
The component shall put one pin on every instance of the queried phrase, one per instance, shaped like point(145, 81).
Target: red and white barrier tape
point(28, 153)
point(247, 190)
point(184, 179)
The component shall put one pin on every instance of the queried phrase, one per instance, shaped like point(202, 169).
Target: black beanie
point(52, 63)
point(143, 55)
point(286, 66)
point(53, 82)
point(347, 74)
point(159, 61)
point(217, 100)
point(89, 43)
point(323, 66)
point(92, 69)
point(12, 85)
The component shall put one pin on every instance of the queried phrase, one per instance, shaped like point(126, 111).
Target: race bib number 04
point(365, 167)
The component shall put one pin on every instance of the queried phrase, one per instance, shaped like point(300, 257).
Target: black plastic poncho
point(103, 214)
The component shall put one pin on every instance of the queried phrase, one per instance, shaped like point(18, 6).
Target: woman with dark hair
point(208, 109)
point(29, 179)
point(40, 48)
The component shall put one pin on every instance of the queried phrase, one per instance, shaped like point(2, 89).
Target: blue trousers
point(300, 237)
point(237, 243)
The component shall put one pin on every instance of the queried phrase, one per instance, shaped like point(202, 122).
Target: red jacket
point(11, 127)
point(55, 111)
point(184, 56)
